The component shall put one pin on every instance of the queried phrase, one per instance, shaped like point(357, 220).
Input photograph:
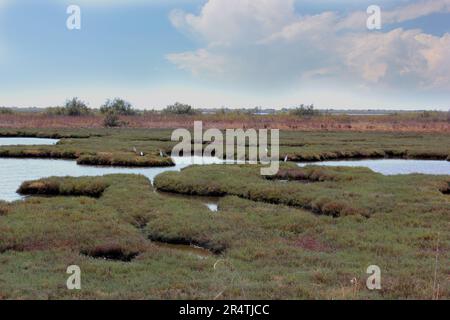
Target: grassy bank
point(322, 190)
point(89, 187)
point(104, 147)
point(117, 146)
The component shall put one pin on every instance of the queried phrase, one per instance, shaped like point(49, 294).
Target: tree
point(4, 110)
point(75, 107)
point(118, 106)
point(304, 110)
point(180, 108)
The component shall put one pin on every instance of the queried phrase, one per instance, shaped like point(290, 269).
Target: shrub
point(55, 111)
point(303, 110)
point(76, 107)
point(180, 108)
point(118, 106)
point(4, 110)
point(73, 107)
point(111, 120)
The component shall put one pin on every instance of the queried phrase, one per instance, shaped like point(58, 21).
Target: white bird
point(142, 154)
point(286, 159)
point(161, 154)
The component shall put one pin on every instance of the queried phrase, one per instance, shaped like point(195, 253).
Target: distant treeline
point(113, 109)
point(119, 107)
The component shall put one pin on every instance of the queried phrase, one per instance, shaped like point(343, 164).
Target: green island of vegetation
point(306, 233)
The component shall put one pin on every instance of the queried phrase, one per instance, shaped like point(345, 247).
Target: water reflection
point(27, 141)
point(393, 166)
point(15, 171)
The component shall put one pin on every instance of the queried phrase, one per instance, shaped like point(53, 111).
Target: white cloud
point(226, 21)
point(267, 42)
point(416, 10)
point(199, 61)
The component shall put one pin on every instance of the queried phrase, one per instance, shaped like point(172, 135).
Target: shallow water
point(27, 141)
point(214, 207)
point(15, 171)
point(392, 166)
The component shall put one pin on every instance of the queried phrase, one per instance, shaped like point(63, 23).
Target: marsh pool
point(392, 166)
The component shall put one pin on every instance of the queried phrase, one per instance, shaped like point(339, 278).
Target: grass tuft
point(90, 187)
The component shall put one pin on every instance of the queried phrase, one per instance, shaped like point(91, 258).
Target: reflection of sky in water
point(26, 141)
point(15, 171)
point(393, 166)
point(212, 206)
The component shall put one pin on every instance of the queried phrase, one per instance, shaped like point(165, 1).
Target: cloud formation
point(267, 41)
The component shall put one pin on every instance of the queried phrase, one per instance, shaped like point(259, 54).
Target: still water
point(27, 141)
point(393, 166)
point(15, 171)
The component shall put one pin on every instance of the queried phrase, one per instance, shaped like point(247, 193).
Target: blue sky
point(236, 53)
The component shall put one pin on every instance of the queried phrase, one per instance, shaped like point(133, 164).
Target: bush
point(76, 107)
point(118, 106)
point(73, 107)
point(4, 110)
point(112, 120)
point(180, 108)
point(55, 111)
point(303, 110)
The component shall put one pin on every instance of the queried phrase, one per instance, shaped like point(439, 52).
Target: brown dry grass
point(410, 122)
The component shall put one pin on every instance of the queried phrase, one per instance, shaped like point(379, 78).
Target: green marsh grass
point(262, 250)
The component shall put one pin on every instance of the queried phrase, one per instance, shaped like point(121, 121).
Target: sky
point(227, 53)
